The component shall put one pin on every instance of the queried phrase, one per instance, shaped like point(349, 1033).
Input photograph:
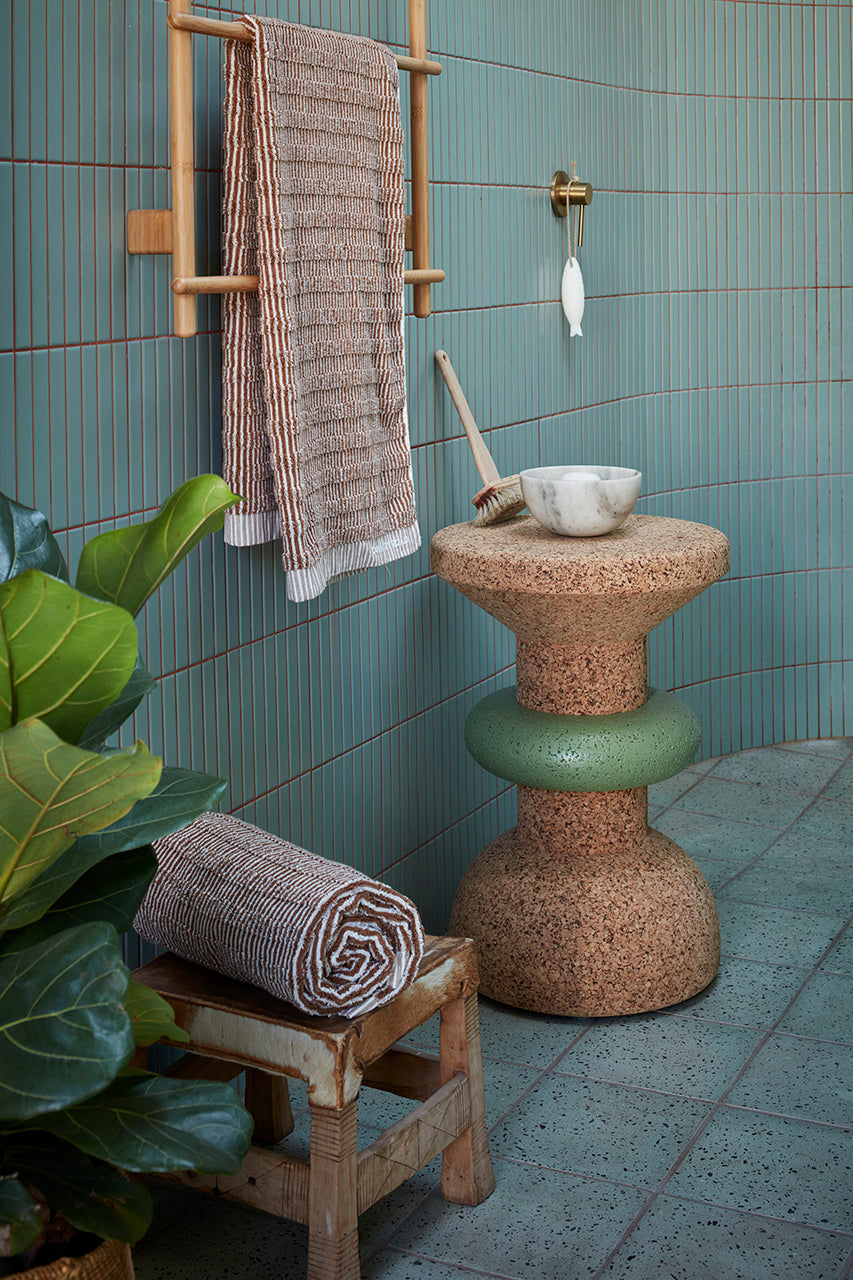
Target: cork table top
point(581, 591)
point(643, 554)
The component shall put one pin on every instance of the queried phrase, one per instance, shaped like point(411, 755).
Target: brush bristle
point(502, 505)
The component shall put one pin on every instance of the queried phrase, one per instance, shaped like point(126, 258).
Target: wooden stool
point(234, 1027)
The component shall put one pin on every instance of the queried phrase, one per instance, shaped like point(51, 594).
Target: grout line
point(573, 1173)
point(764, 1217)
point(126, 340)
point(464, 1267)
point(787, 1115)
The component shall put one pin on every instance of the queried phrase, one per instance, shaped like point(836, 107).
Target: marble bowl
point(581, 502)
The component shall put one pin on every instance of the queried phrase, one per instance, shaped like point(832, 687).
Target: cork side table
point(582, 909)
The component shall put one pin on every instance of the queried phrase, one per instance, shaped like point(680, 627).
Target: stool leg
point(268, 1102)
point(333, 1195)
point(466, 1169)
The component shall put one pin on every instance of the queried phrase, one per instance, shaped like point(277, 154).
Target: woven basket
point(110, 1261)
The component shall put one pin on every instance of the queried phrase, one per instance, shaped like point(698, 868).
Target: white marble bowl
point(581, 502)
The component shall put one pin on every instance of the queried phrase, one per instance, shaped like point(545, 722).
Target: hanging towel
point(315, 429)
point(249, 905)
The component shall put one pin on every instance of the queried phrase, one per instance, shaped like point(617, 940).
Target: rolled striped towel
point(254, 907)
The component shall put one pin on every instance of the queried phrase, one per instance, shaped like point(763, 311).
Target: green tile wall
point(717, 262)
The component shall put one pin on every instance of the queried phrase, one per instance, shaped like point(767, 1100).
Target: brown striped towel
point(249, 905)
point(315, 432)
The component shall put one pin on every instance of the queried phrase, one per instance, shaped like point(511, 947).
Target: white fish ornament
point(573, 296)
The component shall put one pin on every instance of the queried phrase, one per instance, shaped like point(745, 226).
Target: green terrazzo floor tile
point(717, 871)
point(840, 958)
point(716, 836)
point(530, 1039)
point(824, 1010)
point(569, 1124)
point(746, 993)
point(663, 1052)
point(801, 891)
point(665, 793)
point(807, 1079)
point(832, 819)
point(789, 1169)
point(390, 1264)
point(799, 851)
point(770, 768)
point(841, 786)
point(504, 1083)
point(763, 806)
point(220, 1240)
point(703, 766)
point(774, 934)
point(839, 748)
point(689, 1241)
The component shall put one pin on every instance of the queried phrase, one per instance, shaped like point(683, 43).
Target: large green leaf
point(64, 1031)
point(106, 722)
point(20, 1221)
point(127, 565)
point(151, 1016)
point(63, 656)
point(91, 1195)
point(27, 543)
point(150, 1124)
point(179, 797)
point(52, 885)
point(111, 891)
point(51, 792)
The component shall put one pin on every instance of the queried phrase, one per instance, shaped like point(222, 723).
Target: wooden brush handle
point(482, 458)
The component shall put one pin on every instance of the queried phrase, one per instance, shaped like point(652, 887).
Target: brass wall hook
point(567, 191)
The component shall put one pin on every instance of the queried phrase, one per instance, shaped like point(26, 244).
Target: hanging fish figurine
point(573, 296)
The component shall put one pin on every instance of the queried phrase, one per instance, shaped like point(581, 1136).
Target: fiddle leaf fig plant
point(77, 818)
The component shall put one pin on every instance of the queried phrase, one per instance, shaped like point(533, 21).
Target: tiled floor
point(713, 1141)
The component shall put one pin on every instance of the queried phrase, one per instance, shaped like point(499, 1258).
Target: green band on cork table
point(582, 753)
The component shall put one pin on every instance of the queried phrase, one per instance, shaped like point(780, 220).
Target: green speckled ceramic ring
point(582, 753)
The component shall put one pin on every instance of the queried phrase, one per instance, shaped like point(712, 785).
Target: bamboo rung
point(424, 275)
point(214, 284)
point(236, 31)
point(249, 284)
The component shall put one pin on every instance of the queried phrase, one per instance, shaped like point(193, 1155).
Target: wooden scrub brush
point(499, 499)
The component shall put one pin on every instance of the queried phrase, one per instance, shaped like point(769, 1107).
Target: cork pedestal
point(582, 909)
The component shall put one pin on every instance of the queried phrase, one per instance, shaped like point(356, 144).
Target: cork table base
point(581, 909)
point(595, 917)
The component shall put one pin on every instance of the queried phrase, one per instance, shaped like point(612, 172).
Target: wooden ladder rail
point(173, 230)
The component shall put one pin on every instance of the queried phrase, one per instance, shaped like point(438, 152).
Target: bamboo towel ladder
point(173, 230)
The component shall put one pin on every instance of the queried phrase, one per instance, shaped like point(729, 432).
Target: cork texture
point(588, 912)
point(581, 591)
point(594, 680)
